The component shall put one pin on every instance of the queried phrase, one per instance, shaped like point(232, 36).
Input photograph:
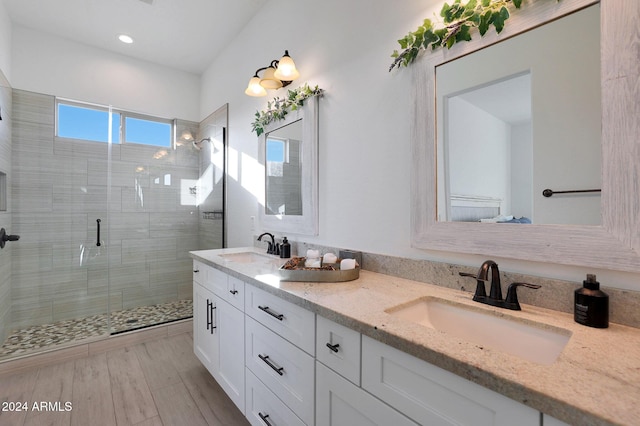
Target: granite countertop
point(595, 380)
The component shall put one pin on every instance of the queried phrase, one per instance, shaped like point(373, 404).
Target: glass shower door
point(57, 297)
point(152, 223)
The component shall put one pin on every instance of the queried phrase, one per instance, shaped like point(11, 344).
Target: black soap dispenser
point(591, 307)
point(285, 249)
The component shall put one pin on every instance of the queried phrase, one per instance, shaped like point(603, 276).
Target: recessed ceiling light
point(125, 38)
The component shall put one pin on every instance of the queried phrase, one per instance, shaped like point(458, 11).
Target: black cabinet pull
point(210, 309)
point(208, 314)
point(270, 312)
point(265, 358)
point(334, 348)
point(98, 227)
point(264, 417)
point(233, 291)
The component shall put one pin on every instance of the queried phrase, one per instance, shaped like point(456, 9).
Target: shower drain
point(132, 320)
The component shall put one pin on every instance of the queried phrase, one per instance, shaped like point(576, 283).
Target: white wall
point(478, 153)
point(345, 48)
point(521, 171)
point(364, 125)
point(52, 65)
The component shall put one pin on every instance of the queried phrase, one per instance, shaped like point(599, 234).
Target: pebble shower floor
point(34, 338)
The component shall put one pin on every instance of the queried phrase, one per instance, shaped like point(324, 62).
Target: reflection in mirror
point(527, 118)
point(283, 170)
point(288, 151)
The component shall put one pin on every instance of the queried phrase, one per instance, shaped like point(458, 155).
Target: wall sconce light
point(278, 74)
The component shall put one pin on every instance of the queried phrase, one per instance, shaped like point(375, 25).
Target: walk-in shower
point(105, 225)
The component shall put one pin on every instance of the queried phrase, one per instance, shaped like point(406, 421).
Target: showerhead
point(198, 145)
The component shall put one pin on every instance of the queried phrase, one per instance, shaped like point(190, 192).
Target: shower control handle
point(4, 237)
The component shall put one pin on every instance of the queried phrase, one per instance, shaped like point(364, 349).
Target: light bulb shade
point(254, 88)
point(286, 69)
point(269, 81)
point(186, 136)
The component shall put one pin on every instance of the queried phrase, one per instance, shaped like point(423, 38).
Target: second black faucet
point(495, 293)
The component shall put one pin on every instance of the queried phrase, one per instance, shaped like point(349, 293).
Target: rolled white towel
point(329, 258)
point(312, 263)
point(346, 264)
point(312, 254)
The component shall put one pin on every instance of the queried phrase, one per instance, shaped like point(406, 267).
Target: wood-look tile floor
point(159, 382)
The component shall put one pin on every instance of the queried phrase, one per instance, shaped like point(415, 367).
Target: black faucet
point(495, 293)
point(272, 248)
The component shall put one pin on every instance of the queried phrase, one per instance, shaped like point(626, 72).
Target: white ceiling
point(182, 34)
point(508, 100)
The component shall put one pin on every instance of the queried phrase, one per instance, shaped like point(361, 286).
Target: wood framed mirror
point(613, 244)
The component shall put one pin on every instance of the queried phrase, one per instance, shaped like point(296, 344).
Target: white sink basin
point(538, 343)
point(248, 257)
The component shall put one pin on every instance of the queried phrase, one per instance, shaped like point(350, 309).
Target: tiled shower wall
point(149, 220)
point(5, 212)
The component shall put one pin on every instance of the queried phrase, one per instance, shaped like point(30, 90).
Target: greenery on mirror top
point(458, 19)
point(278, 108)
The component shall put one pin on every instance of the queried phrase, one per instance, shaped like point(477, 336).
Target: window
point(88, 122)
point(147, 131)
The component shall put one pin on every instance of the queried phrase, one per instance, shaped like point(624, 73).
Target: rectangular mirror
point(612, 244)
point(288, 151)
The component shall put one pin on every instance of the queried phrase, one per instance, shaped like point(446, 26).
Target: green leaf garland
point(278, 108)
point(458, 19)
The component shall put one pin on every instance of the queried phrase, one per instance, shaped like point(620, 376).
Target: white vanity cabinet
point(205, 338)
point(432, 396)
point(279, 344)
point(339, 398)
point(339, 402)
point(218, 330)
point(283, 365)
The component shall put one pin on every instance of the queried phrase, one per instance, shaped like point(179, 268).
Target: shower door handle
point(98, 227)
point(4, 237)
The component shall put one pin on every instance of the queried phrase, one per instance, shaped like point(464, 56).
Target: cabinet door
point(339, 403)
point(205, 335)
point(230, 323)
point(430, 395)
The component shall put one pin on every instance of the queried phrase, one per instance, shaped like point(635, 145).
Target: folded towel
point(497, 219)
point(312, 263)
point(346, 264)
point(329, 258)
